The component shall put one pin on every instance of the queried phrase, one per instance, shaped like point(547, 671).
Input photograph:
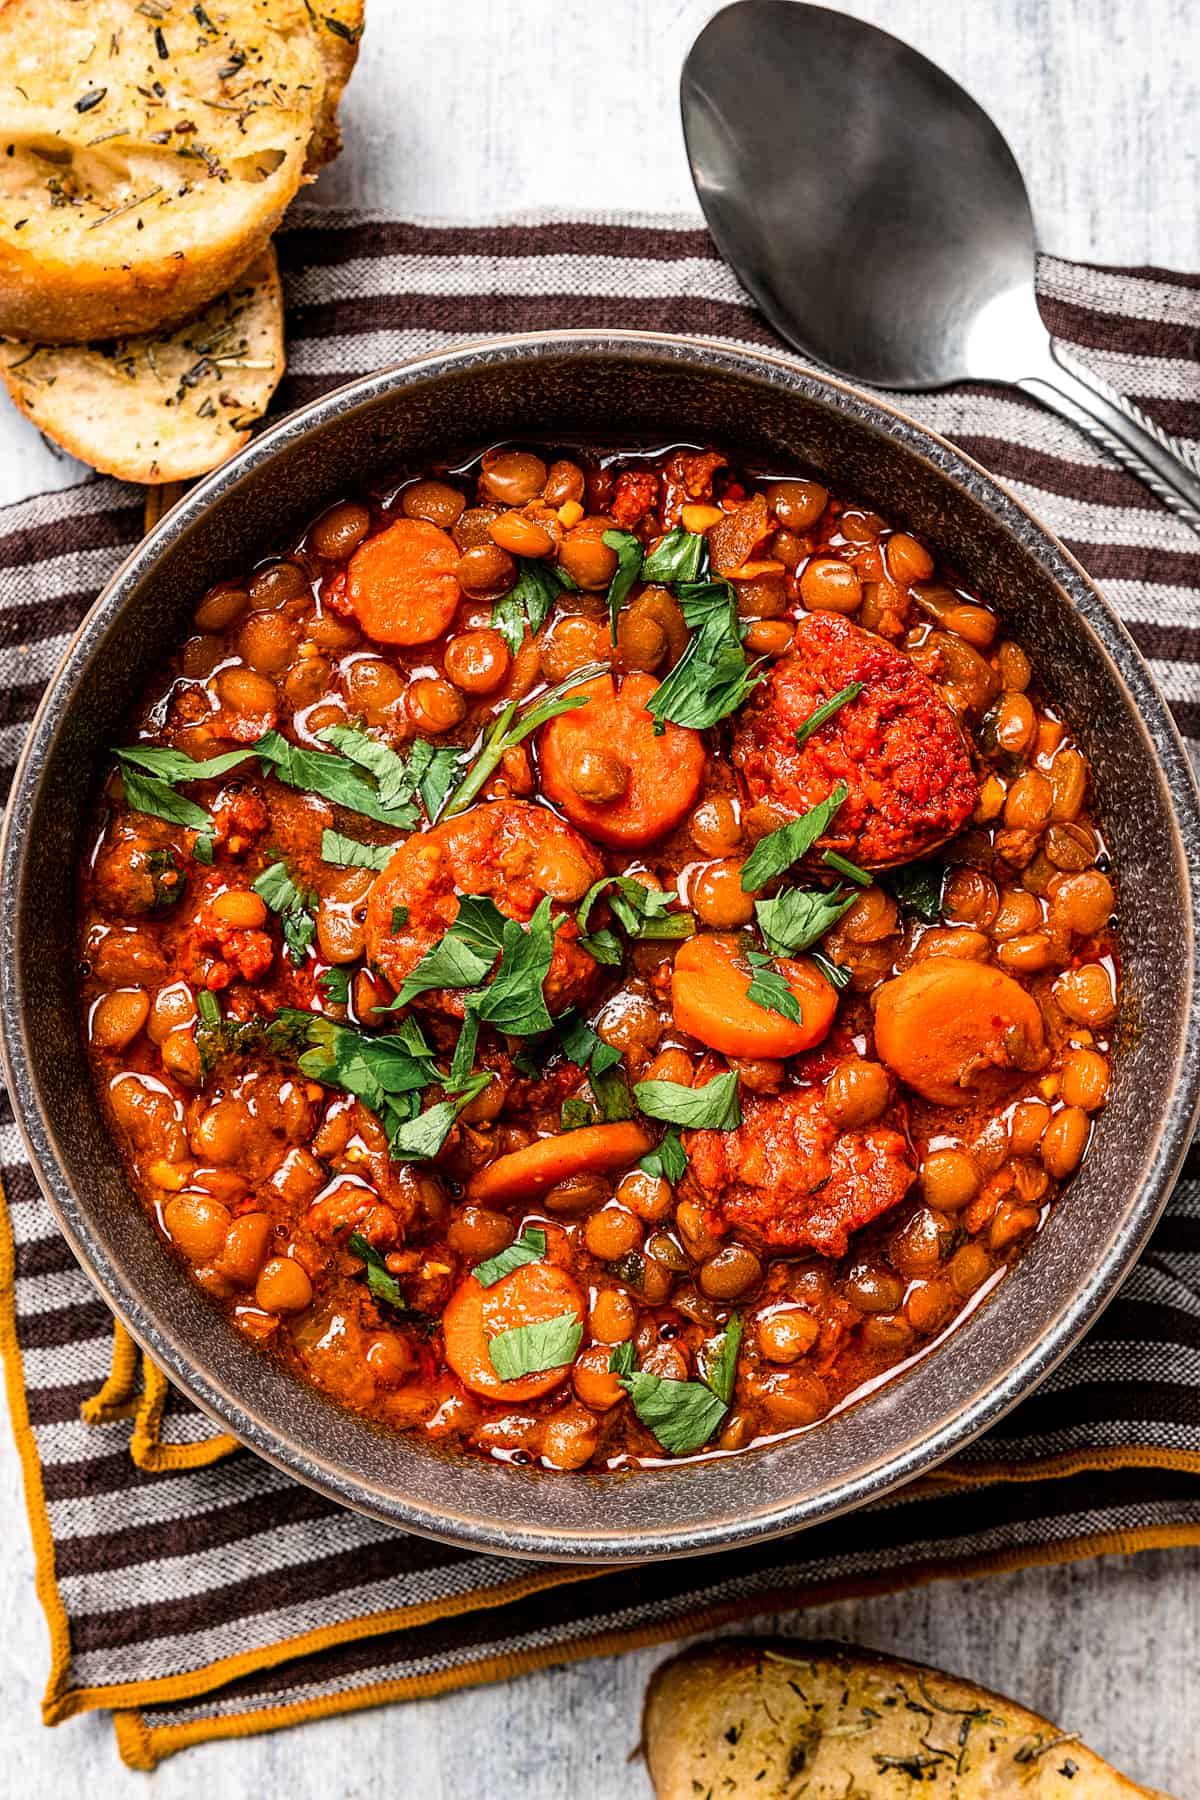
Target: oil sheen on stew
point(598, 958)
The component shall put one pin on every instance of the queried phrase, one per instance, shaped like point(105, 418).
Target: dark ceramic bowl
point(619, 388)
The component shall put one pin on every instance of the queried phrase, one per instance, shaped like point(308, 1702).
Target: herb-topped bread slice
point(759, 1720)
point(339, 28)
point(166, 406)
point(147, 152)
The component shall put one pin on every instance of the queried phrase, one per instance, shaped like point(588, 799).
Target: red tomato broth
point(247, 1164)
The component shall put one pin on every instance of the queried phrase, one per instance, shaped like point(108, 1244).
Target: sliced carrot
point(951, 1028)
point(524, 1174)
point(710, 996)
point(401, 584)
point(531, 1295)
point(657, 779)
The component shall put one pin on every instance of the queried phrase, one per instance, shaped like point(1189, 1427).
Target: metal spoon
point(880, 221)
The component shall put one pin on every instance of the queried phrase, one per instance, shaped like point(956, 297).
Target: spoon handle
point(1121, 429)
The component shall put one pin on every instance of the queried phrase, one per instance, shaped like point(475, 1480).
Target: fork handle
point(1121, 429)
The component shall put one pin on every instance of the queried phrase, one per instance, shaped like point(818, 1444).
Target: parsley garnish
point(381, 1283)
point(718, 1359)
point(529, 1247)
point(668, 1161)
point(527, 1349)
point(349, 853)
point(680, 556)
point(399, 918)
point(711, 1107)
point(512, 727)
point(918, 888)
point(776, 853)
point(629, 563)
point(583, 1045)
point(682, 1414)
point(797, 917)
point(643, 913)
point(575, 1113)
point(836, 974)
point(712, 678)
point(335, 986)
point(843, 866)
point(278, 888)
point(528, 602)
point(825, 711)
point(769, 989)
point(209, 1007)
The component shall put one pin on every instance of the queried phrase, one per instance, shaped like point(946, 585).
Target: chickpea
point(648, 1196)
point(241, 908)
point(512, 477)
point(940, 940)
point(118, 1017)
point(283, 1286)
point(277, 583)
point(564, 484)
point(612, 1233)
point(698, 1239)
point(793, 1397)
point(1065, 1141)
point(730, 1272)
point(649, 629)
point(870, 1288)
point(200, 656)
point(517, 770)
point(476, 1233)
point(1028, 804)
point(968, 1268)
point(1086, 994)
point(1068, 783)
point(333, 633)
point(173, 1007)
point(477, 661)
point(786, 1333)
point(219, 1134)
point(485, 571)
point(1070, 847)
point(586, 558)
point(221, 607)
point(435, 705)
point(715, 827)
point(887, 1332)
point(629, 1024)
point(599, 776)
point(341, 916)
point(305, 682)
point(1082, 903)
point(769, 637)
point(561, 872)
point(244, 1248)
point(389, 1359)
point(246, 692)
point(1027, 1127)
point(196, 1224)
point(759, 1074)
point(762, 596)
point(572, 643)
point(181, 1058)
point(965, 629)
point(1026, 955)
point(371, 998)
point(436, 501)
point(594, 1382)
point(857, 1093)
point(521, 536)
point(969, 897)
point(1014, 723)
point(672, 1065)
point(950, 1180)
point(576, 1195)
point(1011, 1222)
point(830, 585)
point(1017, 915)
point(337, 534)
point(1013, 666)
point(928, 1304)
point(991, 800)
point(907, 560)
point(873, 917)
point(797, 504)
point(719, 899)
point(372, 685)
point(1085, 1080)
point(670, 1362)
point(613, 1316)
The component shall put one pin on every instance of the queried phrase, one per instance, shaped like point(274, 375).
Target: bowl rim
point(1011, 1383)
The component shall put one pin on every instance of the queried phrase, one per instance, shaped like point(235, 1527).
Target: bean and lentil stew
point(598, 958)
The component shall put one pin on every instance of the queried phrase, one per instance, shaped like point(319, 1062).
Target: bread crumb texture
point(148, 150)
point(167, 405)
point(795, 1721)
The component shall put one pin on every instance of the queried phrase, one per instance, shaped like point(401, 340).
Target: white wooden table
point(479, 107)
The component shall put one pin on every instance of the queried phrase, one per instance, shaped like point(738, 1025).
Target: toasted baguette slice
point(760, 1720)
point(166, 406)
point(135, 186)
point(339, 30)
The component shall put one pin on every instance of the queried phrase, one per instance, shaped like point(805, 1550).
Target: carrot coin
point(610, 773)
point(711, 1000)
point(532, 1295)
point(525, 1173)
point(951, 1028)
point(401, 585)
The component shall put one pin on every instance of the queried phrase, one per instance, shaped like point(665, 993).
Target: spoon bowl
point(878, 217)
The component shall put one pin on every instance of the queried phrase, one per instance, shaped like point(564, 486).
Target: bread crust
point(341, 23)
point(780, 1719)
point(166, 406)
point(134, 187)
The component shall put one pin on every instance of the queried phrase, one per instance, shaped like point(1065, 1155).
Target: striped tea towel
point(196, 1592)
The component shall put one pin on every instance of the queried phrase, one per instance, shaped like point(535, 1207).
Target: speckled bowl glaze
point(619, 388)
